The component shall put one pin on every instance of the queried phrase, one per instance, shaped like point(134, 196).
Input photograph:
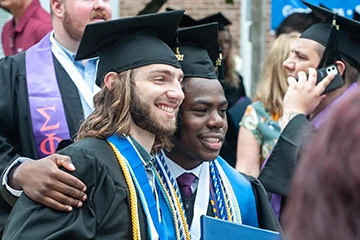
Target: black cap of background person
point(222, 21)
point(128, 43)
point(298, 22)
point(356, 16)
point(339, 35)
point(199, 47)
point(186, 20)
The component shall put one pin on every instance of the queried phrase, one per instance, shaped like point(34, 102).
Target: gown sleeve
point(104, 215)
point(280, 165)
point(266, 216)
point(9, 132)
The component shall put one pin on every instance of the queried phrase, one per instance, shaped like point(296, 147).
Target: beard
point(71, 27)
point(147, 119)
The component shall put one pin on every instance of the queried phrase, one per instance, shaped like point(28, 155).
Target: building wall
point(202, 8)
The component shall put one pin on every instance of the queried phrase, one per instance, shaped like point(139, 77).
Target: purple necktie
point(184, 182)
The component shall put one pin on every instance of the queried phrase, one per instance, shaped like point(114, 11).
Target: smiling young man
point(135, 113)
point(306, 108)
point(214, 187)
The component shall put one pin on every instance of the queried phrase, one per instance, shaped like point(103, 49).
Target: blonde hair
point(273, 84)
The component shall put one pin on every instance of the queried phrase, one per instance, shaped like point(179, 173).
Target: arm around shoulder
point(29, 218)
point(91, 221)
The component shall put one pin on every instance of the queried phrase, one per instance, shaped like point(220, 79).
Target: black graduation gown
point(104, 215)
point(16, 137)
point(233, 94)
point(277, 173)
point(228, 150)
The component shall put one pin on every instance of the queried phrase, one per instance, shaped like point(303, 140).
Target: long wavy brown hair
point(112, 112)
point(324, 202)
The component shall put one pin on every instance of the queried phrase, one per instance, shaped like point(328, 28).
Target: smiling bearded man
point(113, 151)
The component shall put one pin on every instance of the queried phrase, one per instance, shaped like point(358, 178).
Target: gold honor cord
point(227, 208)
point(132, 191)
point(178, 204)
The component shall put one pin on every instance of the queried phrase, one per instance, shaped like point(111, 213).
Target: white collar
point(176, 170)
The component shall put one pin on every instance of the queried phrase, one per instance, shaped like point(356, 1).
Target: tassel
point(331, 53)
point(219, 64)
point(178, 55)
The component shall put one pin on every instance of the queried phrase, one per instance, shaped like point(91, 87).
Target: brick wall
point(202, 8)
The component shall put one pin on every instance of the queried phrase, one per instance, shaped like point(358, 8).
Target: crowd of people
point(118, 129)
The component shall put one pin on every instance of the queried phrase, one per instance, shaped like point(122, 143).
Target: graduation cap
point(186, 20)
point(323, 6)
point(339, 35)
point(356, 16)
point(199, 45)
point(128, 43)
point(219, 18)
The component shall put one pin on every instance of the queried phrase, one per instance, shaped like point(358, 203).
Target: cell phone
point(336, 83)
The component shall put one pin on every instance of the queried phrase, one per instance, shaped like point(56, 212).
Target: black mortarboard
point(323, 6)
point(186, 20)
point(219, 18)
point(339, 35)
point(356, 16)
point(199, 45)
point(128, 43)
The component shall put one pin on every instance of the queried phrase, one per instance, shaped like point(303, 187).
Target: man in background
point(33, 85)
point(306, 107)
point(30, 23)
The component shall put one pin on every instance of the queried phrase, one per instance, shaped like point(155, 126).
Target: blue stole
point(48, 118)
point(243, 192)
point(134, 159)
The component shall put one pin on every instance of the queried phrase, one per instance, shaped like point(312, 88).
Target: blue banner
point(280, 9)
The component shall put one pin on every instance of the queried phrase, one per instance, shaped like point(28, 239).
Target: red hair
point(325, 196)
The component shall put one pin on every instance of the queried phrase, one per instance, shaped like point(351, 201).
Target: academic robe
point(16, 136)
point(279, 168)
point(233, 94)
point(104, 215)
point(276, 175)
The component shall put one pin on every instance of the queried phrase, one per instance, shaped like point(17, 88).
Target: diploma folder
point(215, 229)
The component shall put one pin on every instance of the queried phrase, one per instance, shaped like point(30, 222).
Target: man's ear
point(57, 8)
point(109, 78)
point(340, 66)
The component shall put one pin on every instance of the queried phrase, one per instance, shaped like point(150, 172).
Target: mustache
point(99, 14)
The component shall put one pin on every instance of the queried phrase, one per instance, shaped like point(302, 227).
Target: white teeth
point(166, 109)
point(212, 140)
